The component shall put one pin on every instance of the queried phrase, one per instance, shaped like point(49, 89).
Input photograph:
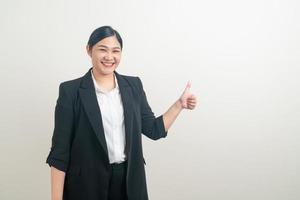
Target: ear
point(89, 50)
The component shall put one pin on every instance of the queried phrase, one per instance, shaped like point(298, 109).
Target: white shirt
point(111, 107)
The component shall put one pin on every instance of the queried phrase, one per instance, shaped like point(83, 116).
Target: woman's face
point(105, 55)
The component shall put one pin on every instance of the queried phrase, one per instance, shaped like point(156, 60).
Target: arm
point(152, 127)
point(57, 184)
point(171, 114)
point(157, 127)
point(58, 157)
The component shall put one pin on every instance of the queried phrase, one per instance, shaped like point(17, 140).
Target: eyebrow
point(101, 45)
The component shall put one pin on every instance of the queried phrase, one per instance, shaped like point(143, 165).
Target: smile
point(106, 64)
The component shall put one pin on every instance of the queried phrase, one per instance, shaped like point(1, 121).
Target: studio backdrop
point(242, 58)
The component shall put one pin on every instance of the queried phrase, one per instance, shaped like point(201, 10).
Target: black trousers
point(117, 185)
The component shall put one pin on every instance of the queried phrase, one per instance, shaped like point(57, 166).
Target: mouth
point(108, 64)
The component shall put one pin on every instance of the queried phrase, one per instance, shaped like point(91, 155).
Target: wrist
point(178, 104)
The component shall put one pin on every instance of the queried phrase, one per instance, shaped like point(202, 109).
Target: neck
point(106, 81)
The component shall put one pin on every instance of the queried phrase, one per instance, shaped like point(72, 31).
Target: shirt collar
point(98, 87)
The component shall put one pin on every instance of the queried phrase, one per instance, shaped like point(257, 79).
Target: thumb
point(187, 88)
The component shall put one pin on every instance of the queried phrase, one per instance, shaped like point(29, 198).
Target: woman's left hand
point(188, 100)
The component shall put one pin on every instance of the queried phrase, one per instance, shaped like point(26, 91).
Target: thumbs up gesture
point(188, 100)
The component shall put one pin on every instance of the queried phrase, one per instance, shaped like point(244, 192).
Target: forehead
point(108, 42)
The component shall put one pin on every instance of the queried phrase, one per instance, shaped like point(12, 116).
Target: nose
point(108, 56)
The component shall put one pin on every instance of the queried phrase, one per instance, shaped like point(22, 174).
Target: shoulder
point(69, 88)
point(133, 81)
point(70, 85)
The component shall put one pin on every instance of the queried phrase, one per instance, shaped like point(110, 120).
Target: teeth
point(108, 64)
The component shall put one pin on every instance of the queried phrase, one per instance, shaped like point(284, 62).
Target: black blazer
point(78, 141)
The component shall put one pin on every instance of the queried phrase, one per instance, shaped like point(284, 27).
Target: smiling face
point(105, 55)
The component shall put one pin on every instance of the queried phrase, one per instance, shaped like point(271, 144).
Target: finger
point(192, 100)
point(191, 103)
point(191, 107)
point(192, 97)
point(187, 88)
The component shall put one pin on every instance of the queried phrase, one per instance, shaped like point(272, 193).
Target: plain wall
point(242, 142)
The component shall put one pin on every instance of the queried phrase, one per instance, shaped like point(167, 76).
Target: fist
point(188, 100)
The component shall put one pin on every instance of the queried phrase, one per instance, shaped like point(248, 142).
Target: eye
point(116, 51)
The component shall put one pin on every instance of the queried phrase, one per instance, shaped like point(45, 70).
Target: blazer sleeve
point(152, 127)
point(63, 129)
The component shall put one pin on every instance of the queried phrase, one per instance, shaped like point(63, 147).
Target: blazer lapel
point(127, 99)
point(89, 99)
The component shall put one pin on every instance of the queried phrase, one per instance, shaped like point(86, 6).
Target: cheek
point(97, 56)
point(118, 58)
point(95, 60)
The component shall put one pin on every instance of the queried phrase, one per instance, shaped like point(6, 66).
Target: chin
point(106, 71)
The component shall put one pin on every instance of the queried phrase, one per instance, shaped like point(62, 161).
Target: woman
point(96, 151)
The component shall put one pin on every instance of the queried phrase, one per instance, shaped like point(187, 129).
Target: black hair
point(103, 32)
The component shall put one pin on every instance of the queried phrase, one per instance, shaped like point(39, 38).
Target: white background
point(242, 58)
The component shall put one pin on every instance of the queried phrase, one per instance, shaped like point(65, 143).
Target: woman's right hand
point(57, 183)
